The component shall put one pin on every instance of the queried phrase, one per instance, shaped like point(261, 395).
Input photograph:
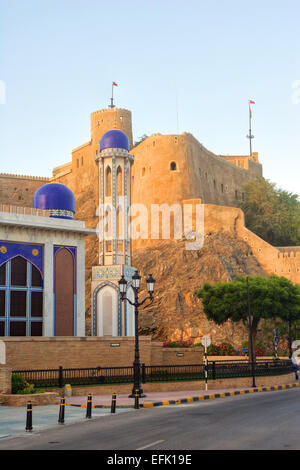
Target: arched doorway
point(108, 306)
point(64, 293)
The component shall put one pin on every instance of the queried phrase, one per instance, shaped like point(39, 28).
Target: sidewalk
point(169, 398)
point(13, 419)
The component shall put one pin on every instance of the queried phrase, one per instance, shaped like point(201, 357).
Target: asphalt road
point(265, 421)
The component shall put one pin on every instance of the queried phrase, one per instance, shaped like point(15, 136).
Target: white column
point(48, 302)
point(80, 288)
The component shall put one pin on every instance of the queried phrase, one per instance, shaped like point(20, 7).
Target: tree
point(270, 297)
point(140, 140)
point(272, 213)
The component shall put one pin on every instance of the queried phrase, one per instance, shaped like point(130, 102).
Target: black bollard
point(136, 400)
point(61, 417)
point(89, 406)
point(113, 403)
point(29, 417)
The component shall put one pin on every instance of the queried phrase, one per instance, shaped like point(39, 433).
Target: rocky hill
point(177, 312)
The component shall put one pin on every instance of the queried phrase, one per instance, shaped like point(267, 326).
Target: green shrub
point(20, 387)
point(17, 383)
point(28, 388)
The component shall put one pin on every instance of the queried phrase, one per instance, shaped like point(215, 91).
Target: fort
point(168, 169)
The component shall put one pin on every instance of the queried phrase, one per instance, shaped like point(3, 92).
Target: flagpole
point(250, 136)
point(112, 96)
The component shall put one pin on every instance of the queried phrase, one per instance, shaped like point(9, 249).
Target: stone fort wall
point(18, 190)
point(167, 169)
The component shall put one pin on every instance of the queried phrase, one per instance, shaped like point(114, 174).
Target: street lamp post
point(250, 323)
point(136, 281)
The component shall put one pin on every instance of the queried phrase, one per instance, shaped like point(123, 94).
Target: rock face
point(177, 312)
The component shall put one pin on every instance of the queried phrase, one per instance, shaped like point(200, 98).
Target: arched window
point(173, 166)
point(21, 298)
point(108, 222)
point(119, 181)
point(108, 181)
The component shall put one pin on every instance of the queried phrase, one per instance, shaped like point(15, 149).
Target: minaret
point(114, 172)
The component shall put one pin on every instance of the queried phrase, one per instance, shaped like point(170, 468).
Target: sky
point(181, 66)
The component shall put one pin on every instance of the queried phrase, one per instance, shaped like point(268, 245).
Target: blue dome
point(114, 139)
point(57, 198)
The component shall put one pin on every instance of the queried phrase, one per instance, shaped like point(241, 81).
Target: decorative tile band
point(112, 272)
point(61, 213)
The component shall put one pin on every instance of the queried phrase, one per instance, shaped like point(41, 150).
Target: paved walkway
point(167, 398)
point(13, 418)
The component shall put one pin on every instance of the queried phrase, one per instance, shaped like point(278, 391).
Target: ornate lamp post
point(136, 281)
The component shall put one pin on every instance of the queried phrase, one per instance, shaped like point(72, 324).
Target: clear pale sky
point(202, 59)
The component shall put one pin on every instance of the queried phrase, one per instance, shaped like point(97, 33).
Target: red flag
point(115, 84)
point(252, 102)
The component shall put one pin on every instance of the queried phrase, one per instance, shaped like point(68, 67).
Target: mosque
point(42, 259)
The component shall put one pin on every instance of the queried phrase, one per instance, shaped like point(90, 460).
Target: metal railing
point(47, 378)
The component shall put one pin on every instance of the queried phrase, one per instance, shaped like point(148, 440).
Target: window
point(173, 166)
point(119, 181)
point(18, 271)
point(21, 298)
point(81, 161)
point(77, 163)
point(108, 182)
point(143, 171)
point(236, 194)
point(222, 187)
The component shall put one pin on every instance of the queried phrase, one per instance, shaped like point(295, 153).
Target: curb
point(97, 406)
point(219, 395)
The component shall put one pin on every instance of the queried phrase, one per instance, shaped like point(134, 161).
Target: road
point(267, 420)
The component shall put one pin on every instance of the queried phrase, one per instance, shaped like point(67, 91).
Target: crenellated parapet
point(26, 177)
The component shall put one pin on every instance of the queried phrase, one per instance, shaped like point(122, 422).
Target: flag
point(115, 84)
point(250, 112)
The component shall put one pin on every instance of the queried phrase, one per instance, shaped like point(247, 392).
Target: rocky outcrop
point(177, 312)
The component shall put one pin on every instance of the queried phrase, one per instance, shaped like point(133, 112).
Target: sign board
point(206, 341)
point(114, 345)
point(180, 354)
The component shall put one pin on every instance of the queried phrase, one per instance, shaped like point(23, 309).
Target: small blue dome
point(114, 139)
point(57, 198)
